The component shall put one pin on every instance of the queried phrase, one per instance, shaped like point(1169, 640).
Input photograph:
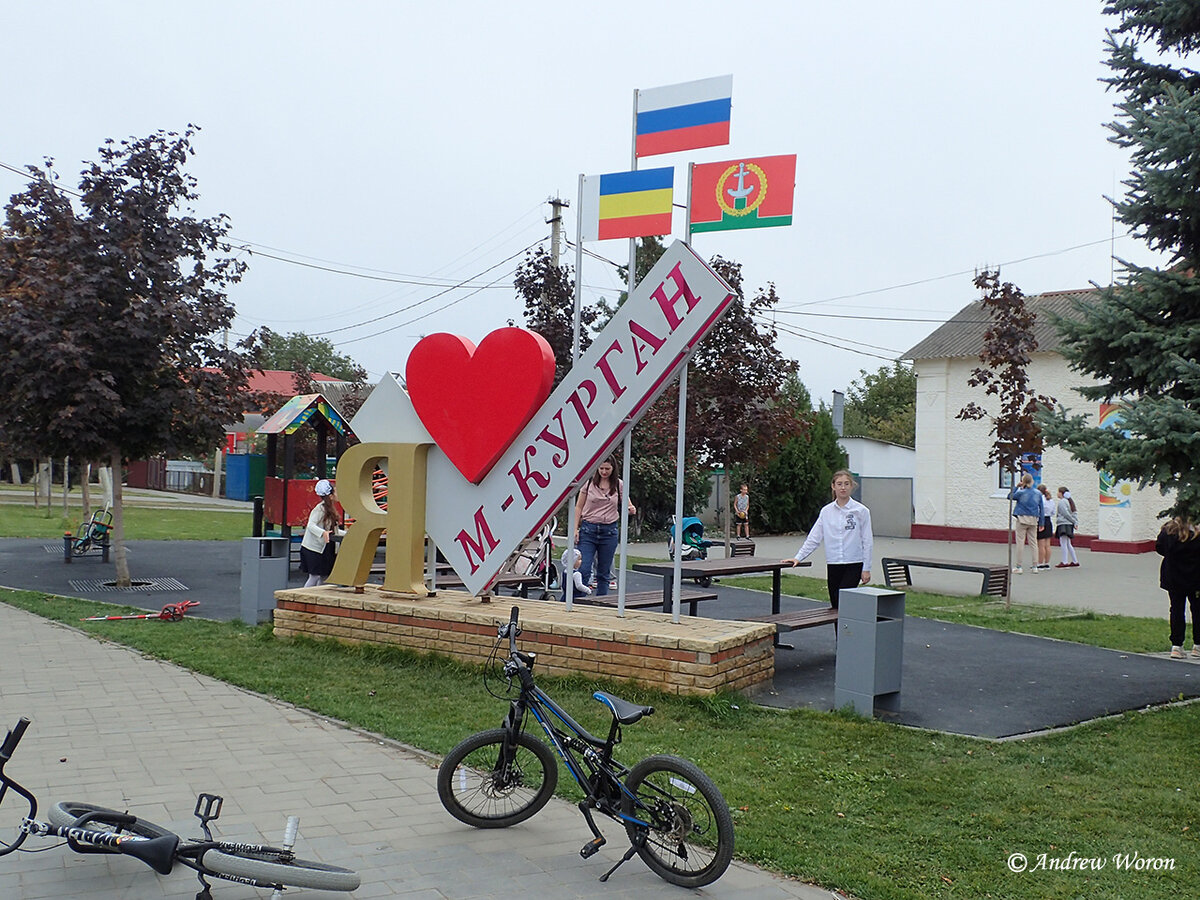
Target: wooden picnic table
point(718, 568)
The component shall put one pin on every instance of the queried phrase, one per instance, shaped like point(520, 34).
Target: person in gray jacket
point(1066, 520)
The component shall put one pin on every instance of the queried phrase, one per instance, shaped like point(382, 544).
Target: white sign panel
point(477, 527)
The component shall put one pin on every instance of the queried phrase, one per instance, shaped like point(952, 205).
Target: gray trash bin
point(870, 649)
point(264, 571)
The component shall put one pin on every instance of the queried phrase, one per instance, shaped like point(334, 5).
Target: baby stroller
point(693, 546)
point(535, 556)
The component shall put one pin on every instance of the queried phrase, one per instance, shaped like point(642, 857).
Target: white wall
point(954, 486)
point(879, 459)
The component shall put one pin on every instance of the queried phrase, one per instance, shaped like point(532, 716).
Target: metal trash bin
point(264, 571)
point(870, 649)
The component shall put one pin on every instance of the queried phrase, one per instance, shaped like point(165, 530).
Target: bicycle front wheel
point(688, 835)
point(478, 787)
point(268, 868)
point(64, 815)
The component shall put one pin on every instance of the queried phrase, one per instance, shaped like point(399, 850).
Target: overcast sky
point(415, 145)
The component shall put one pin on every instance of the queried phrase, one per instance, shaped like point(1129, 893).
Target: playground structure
point(286, 498)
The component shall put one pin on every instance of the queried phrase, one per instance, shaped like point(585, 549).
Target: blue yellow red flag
point(627, 204)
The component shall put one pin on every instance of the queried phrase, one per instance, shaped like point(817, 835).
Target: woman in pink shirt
point(597, 524)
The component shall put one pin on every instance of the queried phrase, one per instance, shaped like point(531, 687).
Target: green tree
point(1140, 338)
point(113, 315)
point(883, 405)
point(303, 353)
point(790, 487)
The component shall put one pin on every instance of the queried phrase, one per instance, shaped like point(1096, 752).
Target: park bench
point(897, 570)
point(796, 619)
point(650, 599)
point(743, 547)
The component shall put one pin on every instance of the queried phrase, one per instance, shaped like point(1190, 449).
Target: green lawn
point(883, 812)
point(22, 520)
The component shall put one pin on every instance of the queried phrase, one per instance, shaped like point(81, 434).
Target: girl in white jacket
point(844, 527)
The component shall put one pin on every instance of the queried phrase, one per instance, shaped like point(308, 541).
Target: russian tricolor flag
point(684, 116)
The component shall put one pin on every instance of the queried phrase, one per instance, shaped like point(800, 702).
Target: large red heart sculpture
point(475, 400)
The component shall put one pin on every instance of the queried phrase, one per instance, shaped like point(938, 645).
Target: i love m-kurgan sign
point(501, 455)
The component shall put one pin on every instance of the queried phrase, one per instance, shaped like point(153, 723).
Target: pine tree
point(1140, 338)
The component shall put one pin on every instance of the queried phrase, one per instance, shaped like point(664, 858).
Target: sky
point(385, 166)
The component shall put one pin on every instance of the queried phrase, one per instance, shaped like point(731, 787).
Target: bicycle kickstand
point(629, 854)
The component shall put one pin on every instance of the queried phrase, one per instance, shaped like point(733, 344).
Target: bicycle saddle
point(623, 711)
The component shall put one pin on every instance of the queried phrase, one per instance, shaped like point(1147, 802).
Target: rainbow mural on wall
point(1114, 492)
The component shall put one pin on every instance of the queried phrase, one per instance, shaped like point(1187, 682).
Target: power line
point(460, 285)
point(1013, 262)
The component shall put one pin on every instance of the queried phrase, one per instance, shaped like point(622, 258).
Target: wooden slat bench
point(897, 570)
point(650, 599)
point(795, 619)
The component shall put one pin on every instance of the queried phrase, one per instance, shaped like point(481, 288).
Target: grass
point(19, 520)
point(1127, 633)
point(882, 812)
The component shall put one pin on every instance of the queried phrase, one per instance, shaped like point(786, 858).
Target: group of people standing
point(1040, 517)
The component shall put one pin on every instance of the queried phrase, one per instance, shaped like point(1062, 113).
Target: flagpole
point(627, 445)
point(568, 578)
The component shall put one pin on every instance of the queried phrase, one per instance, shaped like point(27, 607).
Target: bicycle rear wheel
point(64, 815)
point(689, 841)
point(268, 868)
point(477, 789)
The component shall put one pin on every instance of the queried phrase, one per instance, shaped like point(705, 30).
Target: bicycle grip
point(12, 739)
point(513, 628)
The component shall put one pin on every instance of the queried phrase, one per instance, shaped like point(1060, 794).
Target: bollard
point(68, 539)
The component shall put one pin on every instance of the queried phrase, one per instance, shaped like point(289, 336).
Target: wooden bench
point(897, 570)
point(795, 619)
point(743, 547)
point(650, 599)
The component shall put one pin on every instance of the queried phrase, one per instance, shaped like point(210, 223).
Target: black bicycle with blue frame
point(675, 817)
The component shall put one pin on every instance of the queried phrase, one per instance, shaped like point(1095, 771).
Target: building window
point(1006, 478)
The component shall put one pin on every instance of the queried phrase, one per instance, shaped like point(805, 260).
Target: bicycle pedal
point(208, 807)
point(591, 847)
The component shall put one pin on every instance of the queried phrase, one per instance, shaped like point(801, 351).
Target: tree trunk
point(66, 485)
point(118, 533)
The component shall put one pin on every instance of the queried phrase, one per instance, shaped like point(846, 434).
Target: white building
point(958, 495)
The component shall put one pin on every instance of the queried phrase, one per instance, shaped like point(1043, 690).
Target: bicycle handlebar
point(513, 629)
point(12, 739)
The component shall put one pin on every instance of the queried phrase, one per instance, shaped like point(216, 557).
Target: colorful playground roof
point(299, 411)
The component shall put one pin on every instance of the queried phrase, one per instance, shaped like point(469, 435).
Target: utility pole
point(555, 223)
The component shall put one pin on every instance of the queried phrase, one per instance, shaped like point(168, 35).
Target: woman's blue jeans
point(597, 545)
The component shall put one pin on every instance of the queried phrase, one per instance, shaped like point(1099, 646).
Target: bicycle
point(94, 829)
point(92, 531)
point(674, 816)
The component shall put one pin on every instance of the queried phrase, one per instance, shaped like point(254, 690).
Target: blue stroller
point(693, 546)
